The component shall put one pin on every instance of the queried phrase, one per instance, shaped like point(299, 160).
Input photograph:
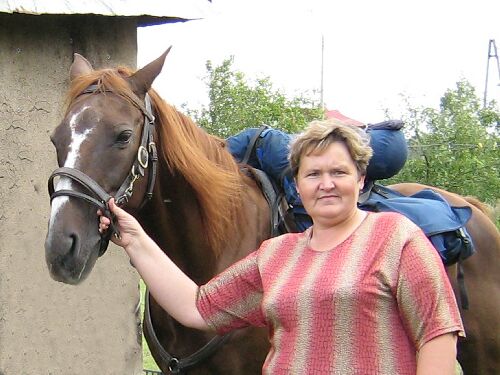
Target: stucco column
point(47, 327)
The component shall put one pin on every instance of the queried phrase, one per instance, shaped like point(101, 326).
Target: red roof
point(339, 116)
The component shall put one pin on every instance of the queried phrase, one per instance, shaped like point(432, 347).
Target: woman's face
point(329, 184)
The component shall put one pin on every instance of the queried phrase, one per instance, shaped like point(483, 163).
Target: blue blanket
point(443, 225)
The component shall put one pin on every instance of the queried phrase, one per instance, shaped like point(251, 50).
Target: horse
point(479, 352)
point(119, 138)
point(204, 210)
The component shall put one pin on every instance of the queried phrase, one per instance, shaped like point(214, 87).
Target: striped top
point(364, 307)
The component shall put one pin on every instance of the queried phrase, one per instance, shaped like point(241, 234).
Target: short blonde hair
point(320, 134)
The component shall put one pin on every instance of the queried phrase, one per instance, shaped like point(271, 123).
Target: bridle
point(147, 156)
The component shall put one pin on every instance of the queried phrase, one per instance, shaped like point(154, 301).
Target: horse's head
point(103, 146)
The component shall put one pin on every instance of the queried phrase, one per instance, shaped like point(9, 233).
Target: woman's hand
point(129, 228)
point(157, 270)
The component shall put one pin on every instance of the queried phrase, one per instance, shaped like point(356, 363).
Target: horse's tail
point(483, 207)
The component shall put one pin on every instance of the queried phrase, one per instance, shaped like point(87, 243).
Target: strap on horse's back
point(253, 142)
point(275, 199)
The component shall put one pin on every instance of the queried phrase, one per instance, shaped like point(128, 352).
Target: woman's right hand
point(129, 228)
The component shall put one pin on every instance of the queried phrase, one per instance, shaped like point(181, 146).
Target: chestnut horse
point(200, 207)
point(479, 352)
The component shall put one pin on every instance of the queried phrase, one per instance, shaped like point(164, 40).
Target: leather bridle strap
point(146, 155)
point(151, 152)
point(100, 198)
point(175, 365)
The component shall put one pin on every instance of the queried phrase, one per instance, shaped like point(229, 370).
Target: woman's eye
point(124, 137)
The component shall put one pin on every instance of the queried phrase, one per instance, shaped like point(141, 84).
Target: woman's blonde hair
point(320, 134)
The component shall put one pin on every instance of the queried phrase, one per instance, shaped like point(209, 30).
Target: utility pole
point(492, 53)
point(322, 103)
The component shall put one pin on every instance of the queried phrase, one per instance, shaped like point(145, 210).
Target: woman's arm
point(171, 288)
point(438, 356)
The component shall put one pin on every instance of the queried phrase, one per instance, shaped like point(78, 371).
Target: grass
point(147, 359)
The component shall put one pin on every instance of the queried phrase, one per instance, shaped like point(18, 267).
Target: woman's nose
point(326, 182)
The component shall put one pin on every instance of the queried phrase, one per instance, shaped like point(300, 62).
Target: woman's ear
point(361, 181)
point(296, 185)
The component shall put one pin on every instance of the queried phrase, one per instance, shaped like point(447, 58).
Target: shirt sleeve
point(425, 297)
point(233, 298)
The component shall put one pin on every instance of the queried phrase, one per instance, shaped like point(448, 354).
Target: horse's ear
point(79, 67)
point(142, 80)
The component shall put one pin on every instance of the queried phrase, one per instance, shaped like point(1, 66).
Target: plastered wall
point(47, 327)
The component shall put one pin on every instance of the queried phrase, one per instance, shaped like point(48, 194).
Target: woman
point(357, 293)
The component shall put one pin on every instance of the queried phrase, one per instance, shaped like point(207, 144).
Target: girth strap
point(464, 299)
point(175, 365)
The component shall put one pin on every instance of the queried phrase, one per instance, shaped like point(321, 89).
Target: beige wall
point(48, 327)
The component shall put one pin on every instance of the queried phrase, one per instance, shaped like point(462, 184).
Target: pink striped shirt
point(364, 307)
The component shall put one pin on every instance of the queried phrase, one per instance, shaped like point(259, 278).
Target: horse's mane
point(186, 149)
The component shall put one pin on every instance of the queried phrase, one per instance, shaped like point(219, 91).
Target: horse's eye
point(124, 137)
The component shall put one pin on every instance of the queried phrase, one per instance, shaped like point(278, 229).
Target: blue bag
point(390, 150)
point(442, 224)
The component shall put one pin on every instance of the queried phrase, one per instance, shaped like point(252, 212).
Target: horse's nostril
point(75, 244)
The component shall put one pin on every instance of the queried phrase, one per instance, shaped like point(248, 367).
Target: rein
point(175, 365)
point(146, 155)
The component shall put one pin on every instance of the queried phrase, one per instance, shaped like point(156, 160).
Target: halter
point(146, 155)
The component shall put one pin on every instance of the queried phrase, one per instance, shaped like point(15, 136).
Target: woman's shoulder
point(392, 224)
point(289, 237)
point(393, 218)
point(285, 240)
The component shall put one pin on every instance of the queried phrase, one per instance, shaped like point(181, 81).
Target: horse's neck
point(173, 219)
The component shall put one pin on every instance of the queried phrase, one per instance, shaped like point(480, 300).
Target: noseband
point(96, 195)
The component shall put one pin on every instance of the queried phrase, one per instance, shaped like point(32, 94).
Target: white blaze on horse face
point(77, 138)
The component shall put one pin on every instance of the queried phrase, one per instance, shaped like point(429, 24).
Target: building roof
point(346, 120)
point(149, 11)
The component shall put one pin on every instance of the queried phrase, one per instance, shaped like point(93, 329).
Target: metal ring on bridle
point(173, 366)
point(142, 156)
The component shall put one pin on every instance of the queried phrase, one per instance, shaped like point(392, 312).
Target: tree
point(235, 104)
point(455, 147)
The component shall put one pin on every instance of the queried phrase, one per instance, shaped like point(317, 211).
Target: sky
point(373, 52)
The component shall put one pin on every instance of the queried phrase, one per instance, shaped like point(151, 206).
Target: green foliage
point(235, 104)
point(455, 147)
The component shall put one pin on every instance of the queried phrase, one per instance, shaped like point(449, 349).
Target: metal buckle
point(135, 177)
point(142, 156)
point(173, 366)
